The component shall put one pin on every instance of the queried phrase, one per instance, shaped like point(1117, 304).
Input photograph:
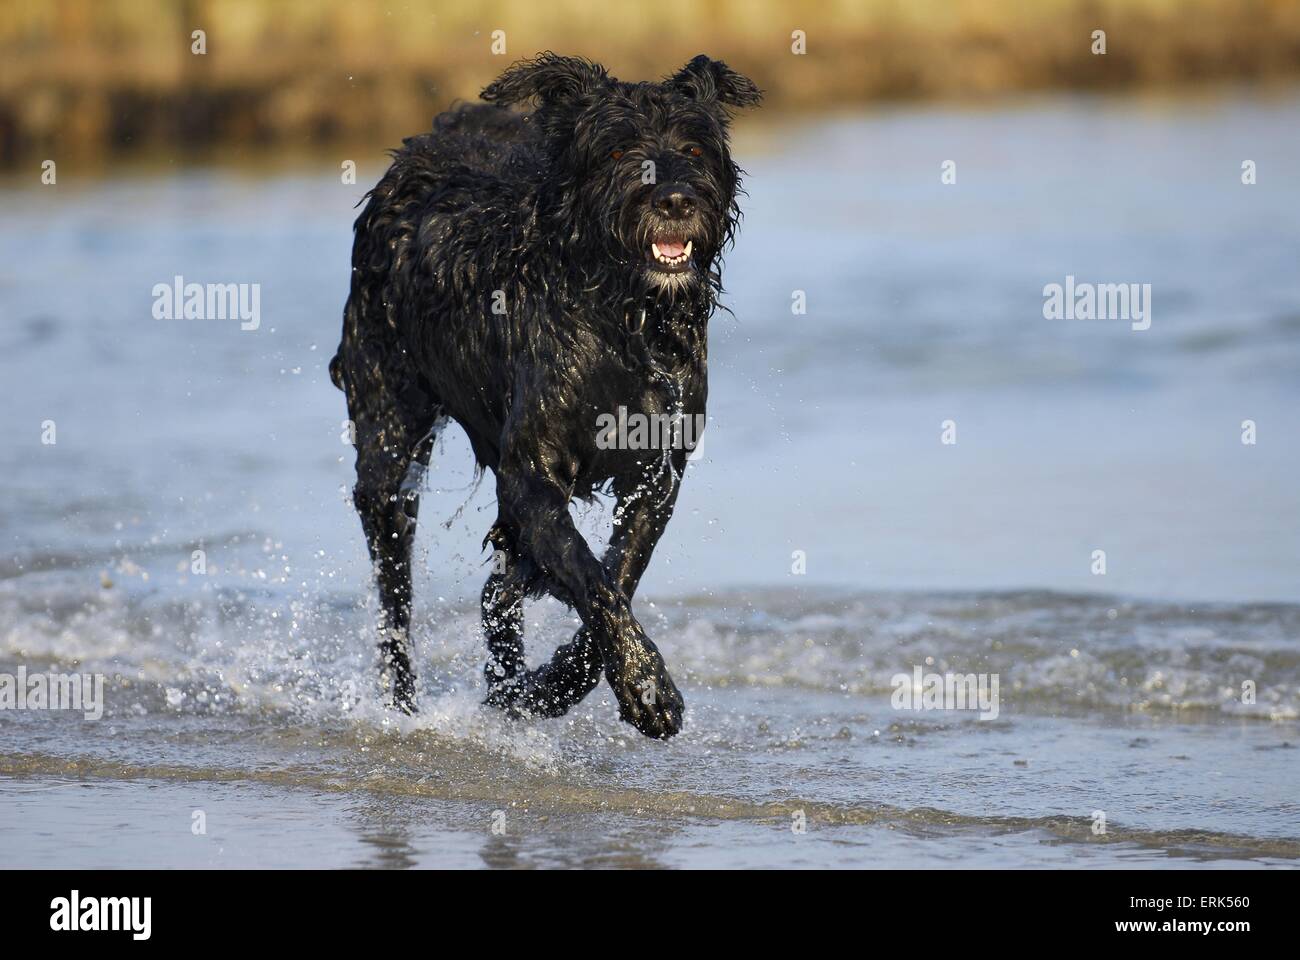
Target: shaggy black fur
point(503, 276)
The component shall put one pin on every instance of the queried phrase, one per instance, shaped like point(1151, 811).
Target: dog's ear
point(707, 79)
point(549, 80)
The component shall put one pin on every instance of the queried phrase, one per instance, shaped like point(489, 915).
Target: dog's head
point(647, 184)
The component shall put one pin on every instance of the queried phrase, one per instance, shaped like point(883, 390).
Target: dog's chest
point(644, 413)
point(661, 386)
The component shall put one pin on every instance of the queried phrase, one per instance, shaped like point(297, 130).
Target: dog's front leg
point(554, 687)
point(535, 501)
point(575, 668)
point(640, 518)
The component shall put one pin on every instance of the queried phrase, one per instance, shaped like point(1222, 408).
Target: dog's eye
point(616, 155)
point(695, 151)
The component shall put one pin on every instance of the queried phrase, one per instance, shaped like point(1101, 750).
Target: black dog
point(523, 274)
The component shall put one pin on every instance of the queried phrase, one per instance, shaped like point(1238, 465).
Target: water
point(245, 693)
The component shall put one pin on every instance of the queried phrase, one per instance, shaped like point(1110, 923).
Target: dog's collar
point(636, 314)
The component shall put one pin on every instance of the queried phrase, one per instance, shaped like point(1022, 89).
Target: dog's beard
point(671, 284)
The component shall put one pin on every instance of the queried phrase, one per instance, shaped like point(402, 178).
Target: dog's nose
point(676, 201)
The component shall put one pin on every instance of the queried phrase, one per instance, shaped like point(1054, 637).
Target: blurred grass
point(94, 78)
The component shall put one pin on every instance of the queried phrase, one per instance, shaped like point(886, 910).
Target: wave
point(251, 646)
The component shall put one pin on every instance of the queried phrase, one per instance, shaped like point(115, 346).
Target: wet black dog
point(524, 274)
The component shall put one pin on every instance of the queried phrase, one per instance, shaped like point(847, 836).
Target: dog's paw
point(647, 697)
point(553, 688)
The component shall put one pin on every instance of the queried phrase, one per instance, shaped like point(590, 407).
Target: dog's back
point(437, 183)
point(476, 139)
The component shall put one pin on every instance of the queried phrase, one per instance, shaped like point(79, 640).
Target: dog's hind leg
point(394, 437)
point(387, 496)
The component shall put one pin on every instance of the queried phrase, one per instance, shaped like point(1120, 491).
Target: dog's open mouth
point(671, 255)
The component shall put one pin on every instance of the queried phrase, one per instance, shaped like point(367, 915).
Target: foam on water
point(788, 710)
point(217, 647)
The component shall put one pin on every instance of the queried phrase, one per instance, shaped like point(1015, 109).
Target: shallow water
point(245, 692)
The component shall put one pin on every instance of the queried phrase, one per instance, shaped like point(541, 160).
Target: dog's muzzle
point(674, 212)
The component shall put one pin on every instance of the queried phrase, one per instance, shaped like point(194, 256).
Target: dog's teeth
point(671, 261)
